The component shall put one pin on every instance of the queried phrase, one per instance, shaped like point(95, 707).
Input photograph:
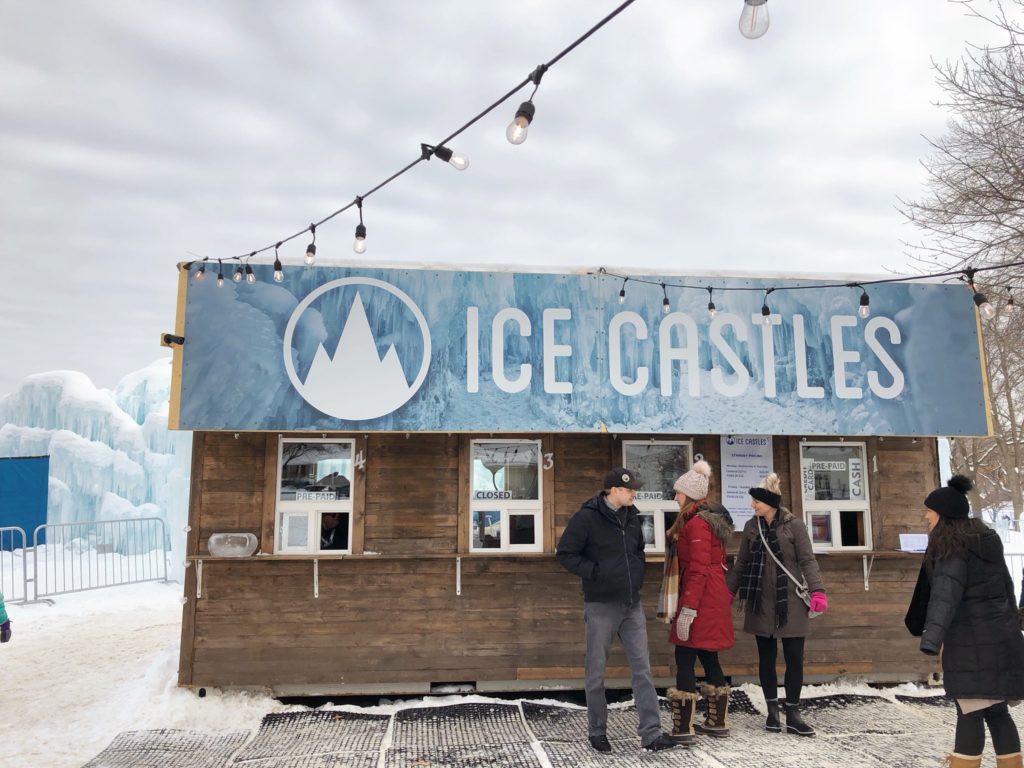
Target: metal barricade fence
point(14, 558)
point(99, 553)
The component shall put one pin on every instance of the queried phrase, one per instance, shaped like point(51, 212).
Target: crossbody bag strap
point(800, 586)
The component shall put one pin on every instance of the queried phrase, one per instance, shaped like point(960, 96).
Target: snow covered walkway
point(855, 731)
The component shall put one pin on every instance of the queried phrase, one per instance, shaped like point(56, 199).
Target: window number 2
point(360, 461)
point(549, 460)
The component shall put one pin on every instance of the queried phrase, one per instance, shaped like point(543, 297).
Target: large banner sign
point(332, 348)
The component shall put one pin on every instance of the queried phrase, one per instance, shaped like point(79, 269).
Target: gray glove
point(683, 622)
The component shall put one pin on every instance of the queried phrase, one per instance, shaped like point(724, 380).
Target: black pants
point(686, 659)
point(793, 652)
point(970, 731)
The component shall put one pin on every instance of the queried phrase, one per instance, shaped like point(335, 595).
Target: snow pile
point(111, 454)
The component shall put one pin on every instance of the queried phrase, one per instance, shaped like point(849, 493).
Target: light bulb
point(220, 279)
point(622, 296)
point(865, 308)
point(310, 254)
point(519, 127)
point(278, 272)
point(250, 276)
point(754, 19)
point(766, 314)
point(1010, 306)
point(459, 162)
point(201, 273)
point(983, 305)
point(237, 277)
point(359, 246)
point(665, 305)
point(711, 308)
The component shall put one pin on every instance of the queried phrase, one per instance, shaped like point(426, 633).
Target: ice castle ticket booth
point(405, 446)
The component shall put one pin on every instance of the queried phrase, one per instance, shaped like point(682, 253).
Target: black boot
point(795, 723)
point(772, 724)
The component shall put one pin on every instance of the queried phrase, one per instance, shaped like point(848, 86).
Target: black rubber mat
point(169, 749)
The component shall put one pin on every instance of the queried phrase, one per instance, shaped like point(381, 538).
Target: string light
point(454, 159)
point(278, 270)
point(440, 149)
point(201, 272)
point(865, 304)
point(237, 277)
point(665, 306)
point(985, 307)
point(220, 274)
point(311, 248)
point(754, 19)
point(250, 276)
point(359, 244)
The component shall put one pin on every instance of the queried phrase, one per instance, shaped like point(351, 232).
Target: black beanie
point(951, 500)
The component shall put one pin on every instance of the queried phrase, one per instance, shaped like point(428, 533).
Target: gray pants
point(603, 622)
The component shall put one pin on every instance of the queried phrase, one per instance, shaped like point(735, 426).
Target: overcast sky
point(133, 133)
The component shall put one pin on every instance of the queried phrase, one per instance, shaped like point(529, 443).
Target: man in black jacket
point(603, 544)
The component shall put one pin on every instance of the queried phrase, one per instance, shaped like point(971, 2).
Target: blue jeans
point(603, 622)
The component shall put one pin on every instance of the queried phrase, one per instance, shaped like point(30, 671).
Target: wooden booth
point(406, 446)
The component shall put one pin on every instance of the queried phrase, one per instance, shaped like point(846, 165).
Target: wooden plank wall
point(395, 619)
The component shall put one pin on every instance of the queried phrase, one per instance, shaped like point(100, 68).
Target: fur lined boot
point(684, 704)
point(1010, 761)
point(772, 724)
point(956, 760)
point(717, 722)
point(795, 723)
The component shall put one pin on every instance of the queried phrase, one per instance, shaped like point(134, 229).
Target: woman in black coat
point(965, 597)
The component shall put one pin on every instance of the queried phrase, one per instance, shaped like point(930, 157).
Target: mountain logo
point(356, 383)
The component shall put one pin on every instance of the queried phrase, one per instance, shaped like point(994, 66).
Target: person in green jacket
point(5, 623)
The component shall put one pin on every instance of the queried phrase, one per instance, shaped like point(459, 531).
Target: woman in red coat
point(703, 624)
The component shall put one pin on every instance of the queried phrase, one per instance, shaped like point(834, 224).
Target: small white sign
point(913, 542)
point(746, 459)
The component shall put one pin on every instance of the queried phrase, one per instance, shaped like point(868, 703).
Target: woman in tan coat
point(773, 611)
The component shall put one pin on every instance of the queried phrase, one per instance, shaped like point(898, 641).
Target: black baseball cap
point(620, 477)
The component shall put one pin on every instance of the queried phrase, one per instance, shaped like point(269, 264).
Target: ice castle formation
point(111, 454)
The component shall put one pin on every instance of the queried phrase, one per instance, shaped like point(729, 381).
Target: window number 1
point(549, 460)
point(360, 461)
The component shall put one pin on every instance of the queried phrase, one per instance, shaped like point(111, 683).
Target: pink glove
point(683, 622)
point(819, 603)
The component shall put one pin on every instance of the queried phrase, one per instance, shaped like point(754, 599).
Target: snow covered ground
point(96, 664)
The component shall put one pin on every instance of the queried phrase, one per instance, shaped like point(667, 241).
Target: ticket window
point(659, 463)
point(834, 485)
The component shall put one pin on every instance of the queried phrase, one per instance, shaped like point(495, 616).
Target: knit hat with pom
point(951, 500)
point(694, 484)
point(769, 491)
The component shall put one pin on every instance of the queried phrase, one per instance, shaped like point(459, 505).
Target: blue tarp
point(23, 492)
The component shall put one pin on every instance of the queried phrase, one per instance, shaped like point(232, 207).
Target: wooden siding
point(393, 620)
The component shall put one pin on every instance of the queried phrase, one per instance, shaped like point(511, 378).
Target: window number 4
point(549, 460)
point(360, 461)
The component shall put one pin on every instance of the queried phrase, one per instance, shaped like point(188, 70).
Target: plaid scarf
point(750, 584)
point(668, 599)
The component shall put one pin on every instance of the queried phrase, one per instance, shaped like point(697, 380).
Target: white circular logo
point(355, 383)
point(625, 478)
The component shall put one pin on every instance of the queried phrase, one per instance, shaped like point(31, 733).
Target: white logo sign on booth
point(354, 382)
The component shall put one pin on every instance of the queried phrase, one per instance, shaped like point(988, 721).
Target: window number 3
point(360, 461)
point(549, 460)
